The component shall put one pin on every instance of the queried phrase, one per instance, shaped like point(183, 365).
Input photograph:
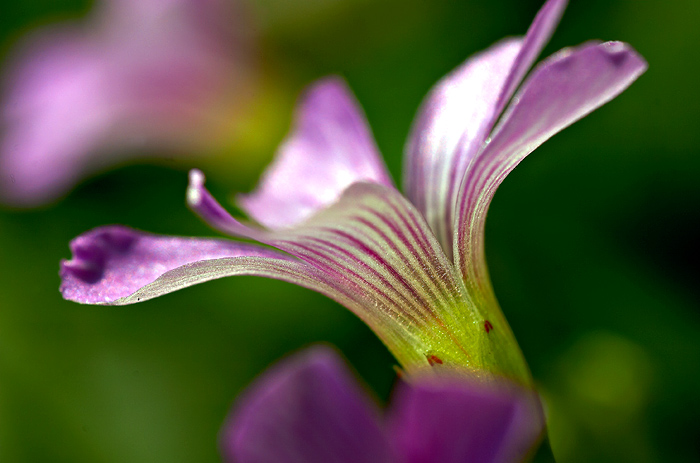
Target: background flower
point(308, 408)
point(590, 246)
point(137, 78)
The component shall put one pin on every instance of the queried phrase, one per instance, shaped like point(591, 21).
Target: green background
point(591, 244)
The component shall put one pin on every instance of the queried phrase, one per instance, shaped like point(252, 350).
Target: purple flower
point(411, 267)
point(141, 76)
point(309, 409)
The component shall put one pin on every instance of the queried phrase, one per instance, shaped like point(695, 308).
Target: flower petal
point(117, 265)
point(52, 116)
point(378, 251)
point(306, 409)
point(374, 242)
point(538, 34)
point(464, 422)
point(458, 115)
point(138, 77)
point(561, 90)
point(329, 148)
point(380, 260)
point(208, 208)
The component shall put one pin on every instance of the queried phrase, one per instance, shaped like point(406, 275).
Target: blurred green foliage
point(591, 243)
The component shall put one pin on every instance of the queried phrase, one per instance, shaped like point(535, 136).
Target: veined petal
point(464, 421)
point(561, 90)
point(117, 265)
point(458, 115)
point(306, 409)
point(374, 245)
point(374, 241)
point(378, 256)
point(329, 148)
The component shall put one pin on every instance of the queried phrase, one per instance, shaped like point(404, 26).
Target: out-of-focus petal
point(463, 421)
point(458, 115)
point(329, 148)
point(54, 113)
point(170, 61)
point(152, 76)
point(561, 90)
point(118, 265)
point(156, 21)
point(307, 409)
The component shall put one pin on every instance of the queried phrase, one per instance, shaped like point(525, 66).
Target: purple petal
point(378, 258)
point(330, 147)
point(464, 422)
point(176, 20)
point(146, 76)
point(118, 265)
point(561, 90)
point(383, 263)
point(373, 242)
point(537, 36)
point(208, 208)
point(52, 117)
point(458, 115)
point(306, 409)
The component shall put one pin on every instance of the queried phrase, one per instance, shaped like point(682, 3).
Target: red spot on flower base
point(433, 359)
point(488, 326)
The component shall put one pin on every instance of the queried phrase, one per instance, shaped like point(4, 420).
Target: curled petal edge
point(116, 265)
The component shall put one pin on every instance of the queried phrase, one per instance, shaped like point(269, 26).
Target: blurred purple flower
point(412, 269)
point(308, 409)
point(140, 77)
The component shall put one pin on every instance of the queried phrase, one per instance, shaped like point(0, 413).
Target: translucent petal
point(560, 91)
point(458, 115)
point(329, 148)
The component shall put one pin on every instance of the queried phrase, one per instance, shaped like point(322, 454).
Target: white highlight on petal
point(194, 196)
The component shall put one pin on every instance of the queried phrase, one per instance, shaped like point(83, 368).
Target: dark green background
point(591, 244)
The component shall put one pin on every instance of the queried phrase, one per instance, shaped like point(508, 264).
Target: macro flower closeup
point(312, 407)
point(138, 78)
point(327, 216)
